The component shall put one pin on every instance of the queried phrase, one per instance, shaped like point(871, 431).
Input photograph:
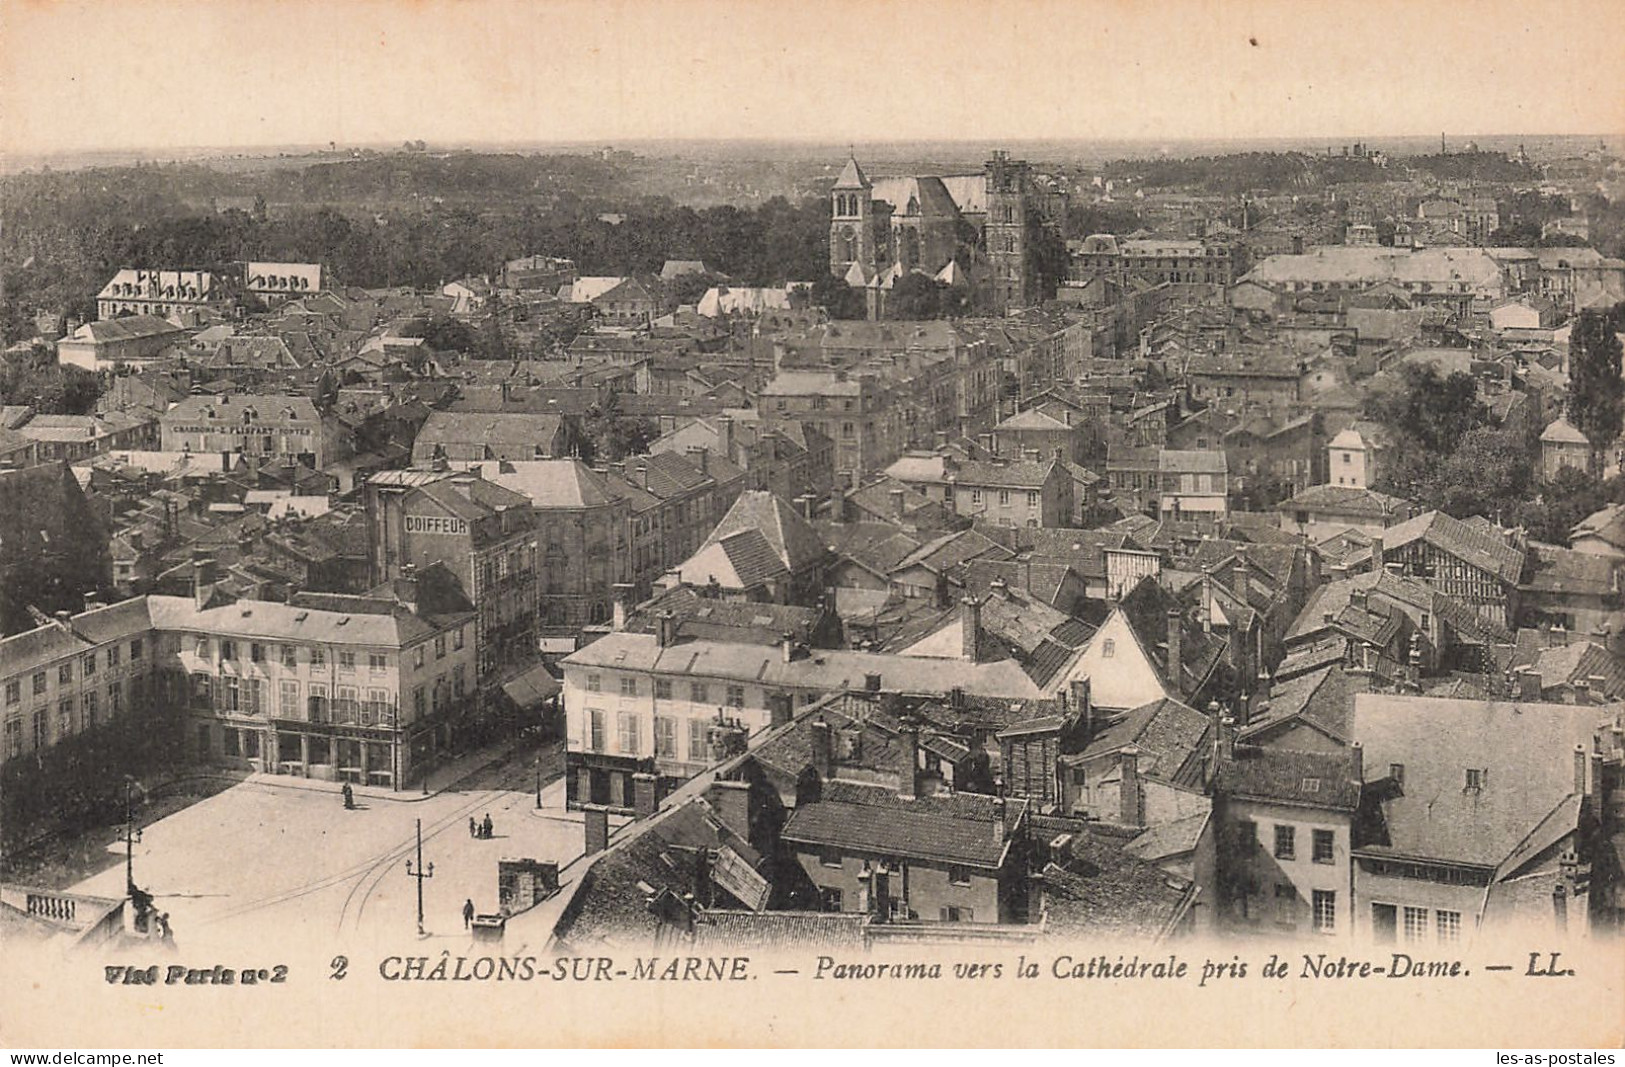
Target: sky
point(117, 74)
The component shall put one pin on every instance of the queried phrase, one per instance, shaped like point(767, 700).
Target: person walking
point(485, 828)
point(473, 827)
point(468, 913)
point(349, 796)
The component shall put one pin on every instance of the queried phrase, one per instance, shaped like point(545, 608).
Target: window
point(1475, 779)
point(420, 702)
point(90, 710)
point(975, 496)
point(39, 683)
point(256, 652)
point(417, 657)
point(955, 914)
point(629, 686)
point(64, 674)
point(829, 857)
point(90, 664)
point(40, 740)
point(346, 661)
point(290, 657)
point(228, 650)
point(829, 899)
point(595, 730)
point(64, 719)
point(1416, 925)
point(736, 696)
point(457, 639)
point(1449, 926)
point(229, 740)
point(1108, 648)
point(318, 657)
point(459, 682)
point(665, 737)
point(14, 692)
point(1004, 496)
point(699, 743)
point(1032, 499)
point(290, 698)
point(14, 737)
point(1286, 899)
point(626, 733)
point(112, 655)
point(115, 698)
point(377, 661)
point(1325, 907)
point(958, 876)
point(594, 683)
point(662, 688)
point(135, 649)
point(1396, 771)
point(1286, 843)
point(1321, 846)
point(440, 647)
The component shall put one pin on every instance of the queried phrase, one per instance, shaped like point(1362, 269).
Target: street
point(266, 861)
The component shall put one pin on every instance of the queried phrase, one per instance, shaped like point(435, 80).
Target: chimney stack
point(623, 598)
point(837, 503)
point(645, 797)
point(1581, 763)
point(1175, 677)
point(1239, 579)
point(1131, 811)
point(701, 458)
point(787, 646)
point(666, 629)
point(1378, 564)
point(970, 629)
point(1528, 685)
point(897, 496)
point(1083, 701)
point(725, 436)
point(908, 761)
point(1000, 814)
point(596, 823)
point(731, 801)
point(1357, 761)
point(823, 751)
point(1582, 691)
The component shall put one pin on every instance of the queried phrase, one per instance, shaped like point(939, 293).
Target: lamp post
point(538, 781)
point(420, 874)
point(131, 834)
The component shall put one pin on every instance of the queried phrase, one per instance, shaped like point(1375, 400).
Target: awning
point(531, 688)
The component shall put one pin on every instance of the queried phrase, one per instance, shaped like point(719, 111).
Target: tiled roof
point(791, 538)
point(1468, 542)
point(1103, 890)
point(1172, 739)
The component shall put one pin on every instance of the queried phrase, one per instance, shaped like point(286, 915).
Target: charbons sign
point(435, 524)
point(234, 429)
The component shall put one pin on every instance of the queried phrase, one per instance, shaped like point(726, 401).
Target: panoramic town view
point(734, 542)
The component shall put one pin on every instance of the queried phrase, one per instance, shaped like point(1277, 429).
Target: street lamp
point(538, 782)
point(131, 834)
point(420, 874)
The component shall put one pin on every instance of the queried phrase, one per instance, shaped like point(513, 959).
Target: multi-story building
point(343, 688)
point(857, 413)
point(1033, 490)
point(1472, 561)
point(253, 424)
point(132, 341)
point(169, 294)
point(1287, 824)
point(651, 704)
point(1155, 260)
point(79, 437)
point(486, 535)
point(462, 436)
point(1195, 485)
point(278, 283)
point(1480, 817)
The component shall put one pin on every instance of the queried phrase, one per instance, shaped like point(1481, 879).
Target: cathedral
point(982, 230)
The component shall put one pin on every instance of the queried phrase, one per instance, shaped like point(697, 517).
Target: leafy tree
point(1596, 400)
point(443, 334)
point(839, 300)
point(915, 296)
point(1434, 410)
point(1562, 503)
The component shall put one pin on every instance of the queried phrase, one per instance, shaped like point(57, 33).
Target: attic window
point(1108, 648)
point(1311, 785)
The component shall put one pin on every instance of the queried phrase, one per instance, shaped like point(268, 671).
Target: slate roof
point(790, 537)
point(959, 829)
point(547, 483)
point(1345, 500)
point(1103, 890)
point(1313, 779)
point(1146, 609)
point(788, 930)
point(711, 619)
point(1432, 815)
point(1558, 571)
point(1323, 698)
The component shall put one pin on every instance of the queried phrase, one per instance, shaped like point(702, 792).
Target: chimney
point(998, 588)
point(1377, 562)
point(1174, 662)
point(596, 820)
point(1000, 814)
point(1239, 575)
point(781, 708)
point(908, 761)
point(837, 503)
point(1130, 811)
point(986, 441)
point(806, 503)
point(622, 601)
point(787, 646)
point(642, 475)
point(897, 496)
point(1594, 798)
point(1357, 761)
point(1084, 703)
point(871, 683)
point(731, 801)
point(725, 435)
point(1557, 636)
point(1357, 598)
point(666, 629)
point(645, 799)
point(970, 629)
point(941, 437)
point(701, 458)
point(823, 752)
point(1032, 455)
point(1581, 763)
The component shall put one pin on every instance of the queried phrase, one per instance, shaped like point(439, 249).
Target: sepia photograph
point(737, 523)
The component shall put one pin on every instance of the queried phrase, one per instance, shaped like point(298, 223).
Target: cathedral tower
point(1006, 232)
point(851, 224)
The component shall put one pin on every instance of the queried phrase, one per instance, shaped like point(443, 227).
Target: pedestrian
point(349, 796)
point(485, 828)
point(468, 913)
point(473, 828)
